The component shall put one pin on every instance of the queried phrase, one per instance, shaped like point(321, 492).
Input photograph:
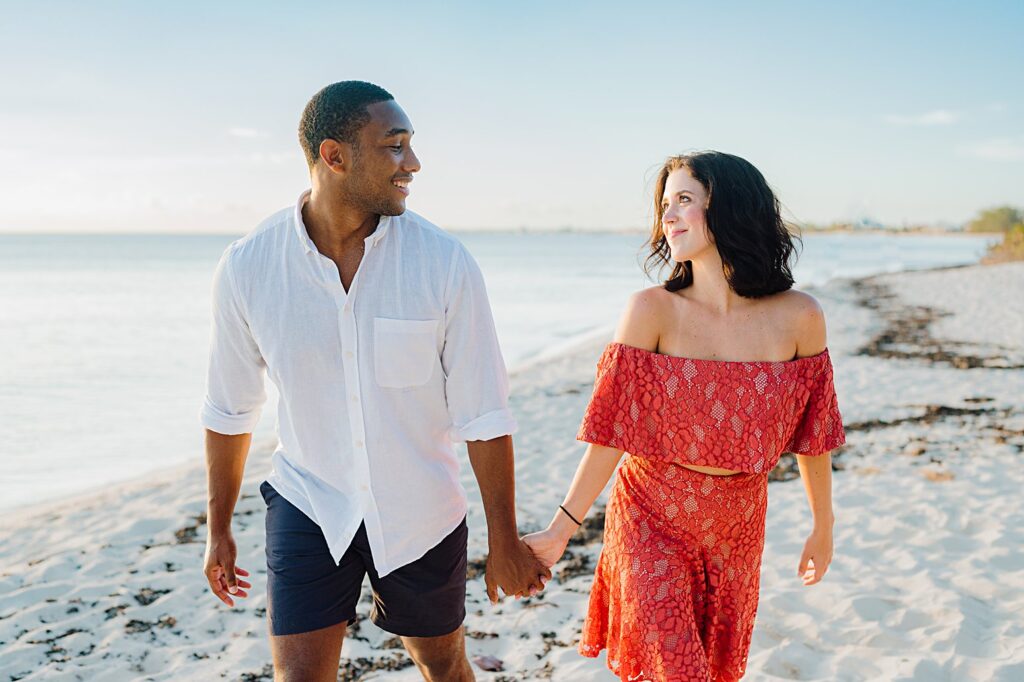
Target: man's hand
point(511, 565)
point(225, 462)
point(221, 571)
point(515, 570)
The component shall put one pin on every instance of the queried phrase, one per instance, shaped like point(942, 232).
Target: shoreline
point(22, 513)
point(565, 348)
point(90, 446)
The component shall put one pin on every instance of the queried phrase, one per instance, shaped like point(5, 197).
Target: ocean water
point(103, 339)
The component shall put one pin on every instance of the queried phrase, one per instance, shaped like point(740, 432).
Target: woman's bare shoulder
point(640, 325)
point(799, 303)
point(805, 319)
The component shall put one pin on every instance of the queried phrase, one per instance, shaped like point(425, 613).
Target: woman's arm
point(816, 472)
point(640, 328)
point(596, 467)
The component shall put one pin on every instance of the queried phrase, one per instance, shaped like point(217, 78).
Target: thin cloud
point(938, 117)
point(997, 149)
point(247, 132)
point(278, 158)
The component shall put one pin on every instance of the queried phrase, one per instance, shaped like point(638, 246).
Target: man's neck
point(334, 225)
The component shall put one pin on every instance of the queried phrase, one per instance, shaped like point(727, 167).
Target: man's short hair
point(337, 112)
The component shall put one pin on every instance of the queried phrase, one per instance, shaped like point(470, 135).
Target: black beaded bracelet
point(570, 515)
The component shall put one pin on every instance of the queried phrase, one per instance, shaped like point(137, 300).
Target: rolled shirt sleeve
point(235, 391)
point(476, 382)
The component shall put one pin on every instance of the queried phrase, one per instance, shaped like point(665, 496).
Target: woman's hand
point(816, 557)
point(547, 545)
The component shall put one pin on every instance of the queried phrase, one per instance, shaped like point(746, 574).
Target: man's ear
point(336, 156)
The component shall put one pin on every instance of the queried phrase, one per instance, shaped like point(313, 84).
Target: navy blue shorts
point(307, 591)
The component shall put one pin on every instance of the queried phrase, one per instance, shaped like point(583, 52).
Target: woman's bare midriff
point(713, 471)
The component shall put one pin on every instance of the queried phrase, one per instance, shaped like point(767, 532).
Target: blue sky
point(181, 117)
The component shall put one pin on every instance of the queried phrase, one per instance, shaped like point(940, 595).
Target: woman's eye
point(396, 147)
point(682, 199)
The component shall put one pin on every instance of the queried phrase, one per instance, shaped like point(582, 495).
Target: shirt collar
point(383, 225)
point(300, 227)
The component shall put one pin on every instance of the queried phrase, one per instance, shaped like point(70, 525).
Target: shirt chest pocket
point(404, 351)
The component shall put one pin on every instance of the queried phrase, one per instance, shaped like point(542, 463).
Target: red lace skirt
point(676, 587)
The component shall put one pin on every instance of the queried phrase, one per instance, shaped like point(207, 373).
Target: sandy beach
point(927, 582)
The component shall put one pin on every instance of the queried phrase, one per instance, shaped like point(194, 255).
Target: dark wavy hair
point(338, 112)
point(744, 220)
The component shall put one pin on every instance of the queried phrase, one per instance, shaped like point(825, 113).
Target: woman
point(709, 379)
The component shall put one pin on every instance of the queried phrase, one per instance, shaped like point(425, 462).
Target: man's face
point(383, 161)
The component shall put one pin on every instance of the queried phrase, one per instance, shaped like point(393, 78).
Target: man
point(375, 327)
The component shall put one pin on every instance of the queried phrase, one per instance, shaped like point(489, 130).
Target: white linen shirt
point(375, 384)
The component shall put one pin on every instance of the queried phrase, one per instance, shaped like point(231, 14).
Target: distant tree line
point(998, 219)
point(1009, 221)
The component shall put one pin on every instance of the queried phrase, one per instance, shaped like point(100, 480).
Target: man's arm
point(231, 410)
point(225, 463)
point(476, 390)
point(510, 563)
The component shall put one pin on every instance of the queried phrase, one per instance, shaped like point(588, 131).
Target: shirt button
point(364, 488)
point(355, 398)
point(359, 444)
point(348, 354)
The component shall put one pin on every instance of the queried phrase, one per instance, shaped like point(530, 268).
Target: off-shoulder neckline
point(823, 354)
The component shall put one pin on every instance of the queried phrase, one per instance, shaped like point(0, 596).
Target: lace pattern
point(676, 588)
point(733, 415)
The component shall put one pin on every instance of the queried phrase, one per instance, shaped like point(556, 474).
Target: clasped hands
point(523, 569)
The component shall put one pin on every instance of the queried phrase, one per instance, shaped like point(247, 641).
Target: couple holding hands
point(375, 327)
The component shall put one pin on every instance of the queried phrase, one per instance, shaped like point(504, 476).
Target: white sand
point(984, 323)
point(927, 584)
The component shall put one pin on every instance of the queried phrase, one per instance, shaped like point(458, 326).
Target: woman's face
point(683, 216)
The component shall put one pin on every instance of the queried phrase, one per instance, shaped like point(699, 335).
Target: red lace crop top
point(732, 415)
